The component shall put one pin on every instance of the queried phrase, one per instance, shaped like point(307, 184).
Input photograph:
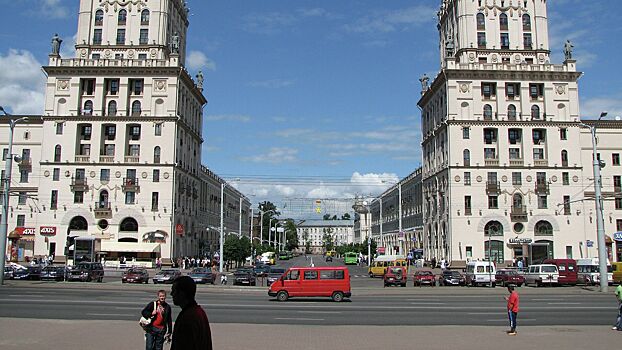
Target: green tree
point(291, 235)
point(327, 239)
point(326, 216)
point(345, 216)
point(270, 212)
point(230, 249)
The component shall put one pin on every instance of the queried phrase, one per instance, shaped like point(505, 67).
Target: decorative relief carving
point(478, 179)
point(160, 85)
point(560, 89)
point(517, 59)
point(107, 53)
point(504, 178)
point(92, 174)
point(46, 173)
point(62, 85)
point(117, 174)
point(144, 174)
point(554, 178)
point(464, 87)
point(472, 57)
point(494, 58)
point(457, 178)
point(131, 53)
point(575, 178)
point(154, 52)
point(83, 52)
point(166, 175)
point(528, 178)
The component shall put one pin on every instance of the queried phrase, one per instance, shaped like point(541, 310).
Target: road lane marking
point(426, 303)
point(506, 320)
point(298, 319)
point(320, 312)
point(97, 314)
point(482, 313)
point(563, 303)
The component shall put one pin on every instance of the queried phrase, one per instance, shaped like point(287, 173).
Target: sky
point(311, 100)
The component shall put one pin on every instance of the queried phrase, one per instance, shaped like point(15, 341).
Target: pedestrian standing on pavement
point(192, 329)
point(618, 325)
point(161, 324)
point(512, 300)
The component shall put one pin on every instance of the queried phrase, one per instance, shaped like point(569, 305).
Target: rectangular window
point(88, 87)
point(469, 252)
point(23, 176)
point(465, 133)
point(109, 150)
point(512, 90)
point(80, 174)
point(56, 174)
point(142, 56)
point(96, 56)
point(78, 197)
point(113, 86)
point(134, 150)
point(5, 153)
point(59, 128)
point(490, 153)
point(118, 56)
point(110, 132)
point(615, 159)
point(538, 154)
point(331, 275)
point(515, 153)
point(542, 201)
point(120, 36)
point(97, 37)
point(85, 150)
point(565, 179)
point(563, 134)
point(618, 225)
point(617, 183)
point(22, 197)
point(489, 89)
point(505, 41)
point(144, 37)
point(86, 132)
point(154, 201)
point(158, 129)
point(481, 40)
point(54, 200)
point(136, 86)
point(536, 91)
point(130, 197)
point(527, 42)
point(490, 136)
point(567, 205)
point(568, 252)
point(618, 203)
point(514, 136)
point(310, 274)
point(493, 202)
point(517, 179)
point(104, 175)
point(21, 220)
point(467, 178)
point(467, 205)
point(156, 175)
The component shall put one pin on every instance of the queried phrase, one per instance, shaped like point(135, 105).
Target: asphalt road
point(371, 304)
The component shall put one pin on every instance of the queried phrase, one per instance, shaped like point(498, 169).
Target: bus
point(379, 265)
point(350, 258)
point(268, 258)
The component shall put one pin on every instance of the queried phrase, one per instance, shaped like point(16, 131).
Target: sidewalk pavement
point(28, 334)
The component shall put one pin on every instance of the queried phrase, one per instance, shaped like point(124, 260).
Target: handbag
point(146, 322)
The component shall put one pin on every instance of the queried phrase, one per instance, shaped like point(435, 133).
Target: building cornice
point(112, 119)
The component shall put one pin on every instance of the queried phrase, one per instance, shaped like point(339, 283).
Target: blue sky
point(311, 99)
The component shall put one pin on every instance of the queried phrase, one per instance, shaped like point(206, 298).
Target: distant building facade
point(313, 231)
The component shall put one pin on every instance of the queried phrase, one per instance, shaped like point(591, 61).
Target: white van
point(480, 273)
point(542, 274)
point(588, 271)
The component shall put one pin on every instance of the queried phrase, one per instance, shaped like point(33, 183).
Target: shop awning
point(129, 247)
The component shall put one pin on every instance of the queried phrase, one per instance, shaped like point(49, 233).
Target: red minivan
point(333, 282)
point(567, 270)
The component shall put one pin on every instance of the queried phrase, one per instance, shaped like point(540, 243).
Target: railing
point(77, 62)
point(540, 162)
point(130, 184)
point(83, 159)
point(106, 159)
point(79, 184)
point(519, 214)
point(542, 188)
point(132, 159)
point(517, 162)
point(491, 162)
point(102, 210)
point(493, 187)
point(467, 211)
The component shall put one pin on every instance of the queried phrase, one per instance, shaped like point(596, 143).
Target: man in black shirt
point(192, 330)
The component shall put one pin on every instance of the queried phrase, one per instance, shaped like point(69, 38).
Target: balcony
point(519, 214)
point(25, 164)
point(82, 159)
point(491, 162)
point(79, 185)
point(102, 210)
point(542, 188)
point(493, 187)
point(467, 211)
point(106, 159)
point(130, 184)
point(540, 162)
point(517, 162)
point(132, 159)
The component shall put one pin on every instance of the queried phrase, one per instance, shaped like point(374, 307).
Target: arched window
point(526, 22)
point(103, 200)
point(156, 155)
point(466, 157)
point(144, 17)
point(517, 201)
point(122, 17)
point(495, 250)
point(88, 108)
point(78, 223)
point(543, 228)
point(535, 112)
point(136, 108)
point(564, 158)
point(129, 225)
point(57, 153)
point(511, 112)
point(481, 21)
point(487, 112)
point(112, 108)
point(99, 17)
point(503, 21)
point(493, 228)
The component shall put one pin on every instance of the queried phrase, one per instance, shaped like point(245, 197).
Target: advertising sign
point(617, 236)
point(25, 231)
point(380, 250)
point(590, 244)
point(179, 229)
point(47, 230)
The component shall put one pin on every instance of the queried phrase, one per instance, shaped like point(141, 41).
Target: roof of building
point(326, 223)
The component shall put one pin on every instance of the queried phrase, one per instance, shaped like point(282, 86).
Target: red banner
point(25, 231)
point(179, 229)
point(380, 250)
point(47, 230)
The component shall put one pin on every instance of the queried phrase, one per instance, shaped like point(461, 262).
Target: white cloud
point(592, 107)
point(275, 155)
point(268, 23)
point(198, 60)
point(68, 49)
point(54, 9)
point(228, 118)
point(384, 22)
point(272, 83)
point(23, 83)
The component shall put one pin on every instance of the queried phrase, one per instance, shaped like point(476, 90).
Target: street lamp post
point(7, 188)
point(600, 225)
point(222, 226)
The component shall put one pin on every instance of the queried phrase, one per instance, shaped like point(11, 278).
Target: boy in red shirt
point(512, 309)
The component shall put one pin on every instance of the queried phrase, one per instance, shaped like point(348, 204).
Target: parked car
point(86, 272)
point(452, 278)
point(395, 275)
point(8, 273)
point(541, 274)
point(589, 271)
point(505, 277)
point(244, 276)
point(53, 273)
point(166, 276)
point(262, 270)
point(329, 258)
point(568, 271)
point(202, 275)
point(135, 275)
point(274, 275)
point(423, 277)
point(333, 282)
point(480, 273)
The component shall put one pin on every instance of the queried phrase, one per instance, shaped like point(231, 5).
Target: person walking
point(192, 329)
point(618, 292)
point(512, 300)
point(159, 330)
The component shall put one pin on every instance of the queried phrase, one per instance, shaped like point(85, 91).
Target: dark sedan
point(202, 275)
point(166, 276)
point(274, 275)
point(29, 273)
point(135, 275)
point(53, 273)
point(244, 276)
point(452, 278)
point(262, 270)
